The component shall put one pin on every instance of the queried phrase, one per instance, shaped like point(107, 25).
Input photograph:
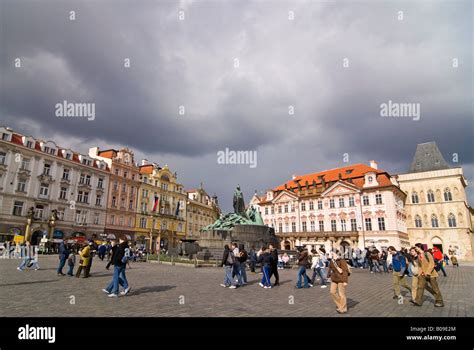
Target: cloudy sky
point(236, 67)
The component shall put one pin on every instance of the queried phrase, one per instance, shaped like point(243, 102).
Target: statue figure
point(54, 216)
point(239, 205)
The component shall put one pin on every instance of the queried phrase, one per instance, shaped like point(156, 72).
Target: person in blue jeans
point(228, 261)
point(119, 260)
point(266, 259)
point(63, 255)
point(303, 258)
point(30, 258)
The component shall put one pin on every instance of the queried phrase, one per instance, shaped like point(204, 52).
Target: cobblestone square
point(164, 290)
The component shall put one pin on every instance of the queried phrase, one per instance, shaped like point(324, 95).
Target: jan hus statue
point(239, 205)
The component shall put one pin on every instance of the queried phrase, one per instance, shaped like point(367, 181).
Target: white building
point(356, 206)
point(41, 175)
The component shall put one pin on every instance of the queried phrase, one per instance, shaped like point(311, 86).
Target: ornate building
point(437, 210)
point(356, 206)
point(161, 210)
point(202, 210)
point(123, 191)
point(44, 177)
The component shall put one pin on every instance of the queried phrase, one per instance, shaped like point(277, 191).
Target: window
point(142, 222)
point(39, 212)
point(63, 193)
point(414, 198)
point(434, 221)
point(66, 173)
point(29, 144)
point(293, 208)
point(25, 164)
point(115, 185)
point(303, 206)
point(88, 180)
point(98, 199)
point(365, 200)
point(313, 226)
point(17, 208)
point(293, 227)
point(341, 202)
point(3, 157)
point(333, 225)
point(114, 201)
point(82, 179)
point(320, 205)
point(81, 217)
point(451, 220)
point(371, 179)
point(44, 190)
point(304, 226)
point(381, 222)
point(311, 205)
point(418, 222)
point(353, 225)
point(112, 220)
point(280, 227)
point(100, 183)
point(47, 169)
point(343, 225)
point(21, 185)
point(266, 210)
point(351, 202)
point(321, 226)
point(125, 174)
point(121, 221)
point(83, 197)
point(447, 195)
point(69, 156)
point(130, 205)
point(5, 137)
point(124, 187)
point(286, 208)
point(378, 199)
point(122, 203)
point(331, 203)
point(430, 196)
point(368, 224)
point(96, 218)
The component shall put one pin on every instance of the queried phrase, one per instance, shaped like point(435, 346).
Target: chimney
point(373, 164)
point(293, 177)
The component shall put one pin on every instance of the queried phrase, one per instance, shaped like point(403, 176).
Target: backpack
point(230, 258)
point(126, 256)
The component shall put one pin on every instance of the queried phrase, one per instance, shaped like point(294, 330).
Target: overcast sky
point(281, 63)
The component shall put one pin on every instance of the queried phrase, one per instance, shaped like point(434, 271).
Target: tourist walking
point(399, 266)
point(427, 278)
point(236, 266)
point(101, 251)
point(266, 260)
point(63, 255)
point(383, 260)
point(228, 261)
point(119, 259)
point(30, 257)
point(374, 260)
point(318, 264)
point(414, 267)
point(303, 261)
point(243, 256)
point(85, 254)
point(252, 259)
point(338, 272)
point(274, 270)
point(439, 260)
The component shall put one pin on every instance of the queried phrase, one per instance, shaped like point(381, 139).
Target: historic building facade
point(352, 206)
point(123, 191)
point(161, 209)
point(438, 213)
point(40, 177)
point(202, 210)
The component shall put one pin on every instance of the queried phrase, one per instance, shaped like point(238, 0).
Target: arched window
point(414, 198)
point(430, 196)
point(434, 221)
point(447, 195)
point(418, 222)
point(451, 220)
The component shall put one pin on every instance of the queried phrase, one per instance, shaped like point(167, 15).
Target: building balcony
point(84, 186)
point(24, 172)
point(65, 181)
point(45, 178)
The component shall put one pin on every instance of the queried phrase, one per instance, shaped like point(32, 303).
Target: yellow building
point(202, 210)
point(161, 209)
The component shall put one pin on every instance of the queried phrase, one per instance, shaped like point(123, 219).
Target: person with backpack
point(119, 260)
point(318, 263)
point(243, 256)
point(427, 278)
point(266, 260)
point(303, 262)
point(439, 259)
point(228, 261)
point(399, 265)
point(274, 271)
point(338, 272)
point(374, 260)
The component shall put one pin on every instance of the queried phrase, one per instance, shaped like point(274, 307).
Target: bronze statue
point(239, 205)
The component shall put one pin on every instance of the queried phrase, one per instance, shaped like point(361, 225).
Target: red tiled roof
point(110, 153)
point(146, 169)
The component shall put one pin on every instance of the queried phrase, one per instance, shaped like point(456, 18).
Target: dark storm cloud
point(281, 63)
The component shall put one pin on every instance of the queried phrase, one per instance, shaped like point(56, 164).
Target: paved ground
point(163, 290)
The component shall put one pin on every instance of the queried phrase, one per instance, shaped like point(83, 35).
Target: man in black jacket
point(274, 253)
point(119, 260)
point(228, 261)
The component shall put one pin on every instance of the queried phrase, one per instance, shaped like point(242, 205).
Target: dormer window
point(370, 179)
point(5, 137)
point(29, 144)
